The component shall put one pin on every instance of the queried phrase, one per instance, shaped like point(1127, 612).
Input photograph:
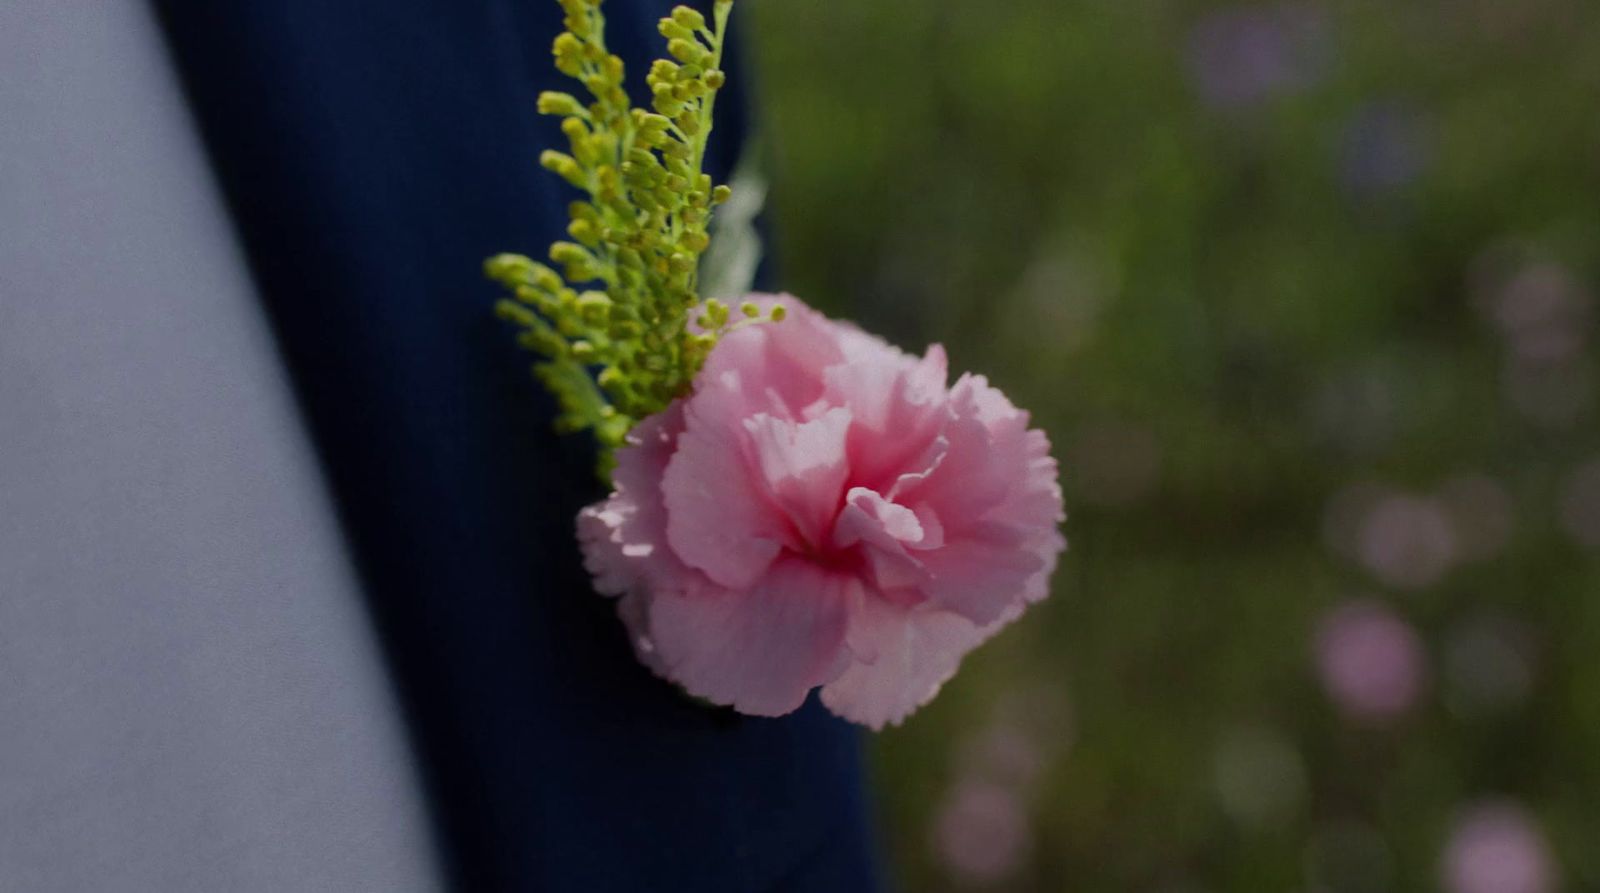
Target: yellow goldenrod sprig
point(612, 326)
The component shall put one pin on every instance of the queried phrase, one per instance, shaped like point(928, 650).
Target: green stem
point(719, 17)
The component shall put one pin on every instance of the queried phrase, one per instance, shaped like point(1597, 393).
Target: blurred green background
point(1303, 293)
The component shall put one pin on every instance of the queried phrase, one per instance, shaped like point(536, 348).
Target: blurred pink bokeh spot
point(1369, 660)
point(982, 831)
point(1407, 542)
point(1496, 847)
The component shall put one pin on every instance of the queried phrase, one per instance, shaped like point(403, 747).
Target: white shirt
point(191, 693)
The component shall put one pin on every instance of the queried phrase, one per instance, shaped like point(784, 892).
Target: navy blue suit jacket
point(373, 153)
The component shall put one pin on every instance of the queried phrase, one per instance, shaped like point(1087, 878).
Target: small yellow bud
point(585, 232)
point(546, 278)
point(648, 123)
point(670, 198)
point(721, 194)
point(577, 260)
point(613, 431)
point(779, 312)
point(685, 50)
point(515, 313)
point(695, 241)
point(553, 103)
point(689, 18)
point(563, 165)
point(594, 306)
point(718, 312)
point(663, 70)
point(665, 100)
point(509, 268)
point(749, 309)
point(568, 51)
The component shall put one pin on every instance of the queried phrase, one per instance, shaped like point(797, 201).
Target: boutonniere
point(795, 503)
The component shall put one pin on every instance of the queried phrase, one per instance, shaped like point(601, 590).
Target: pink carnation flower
point(823, 510)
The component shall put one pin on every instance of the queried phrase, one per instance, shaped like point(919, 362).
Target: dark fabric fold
point(373, 154)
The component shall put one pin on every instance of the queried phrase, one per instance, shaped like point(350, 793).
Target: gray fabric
point(191, 695)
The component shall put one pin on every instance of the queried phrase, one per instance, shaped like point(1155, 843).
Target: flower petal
point(885, 530)
point(981, 577)
point(996, 494)
point(898, 404)
point(803, 468)
point(718, 518)
point(760, 650)
point(773, 368)
point(903, 657)
point(623, 536)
